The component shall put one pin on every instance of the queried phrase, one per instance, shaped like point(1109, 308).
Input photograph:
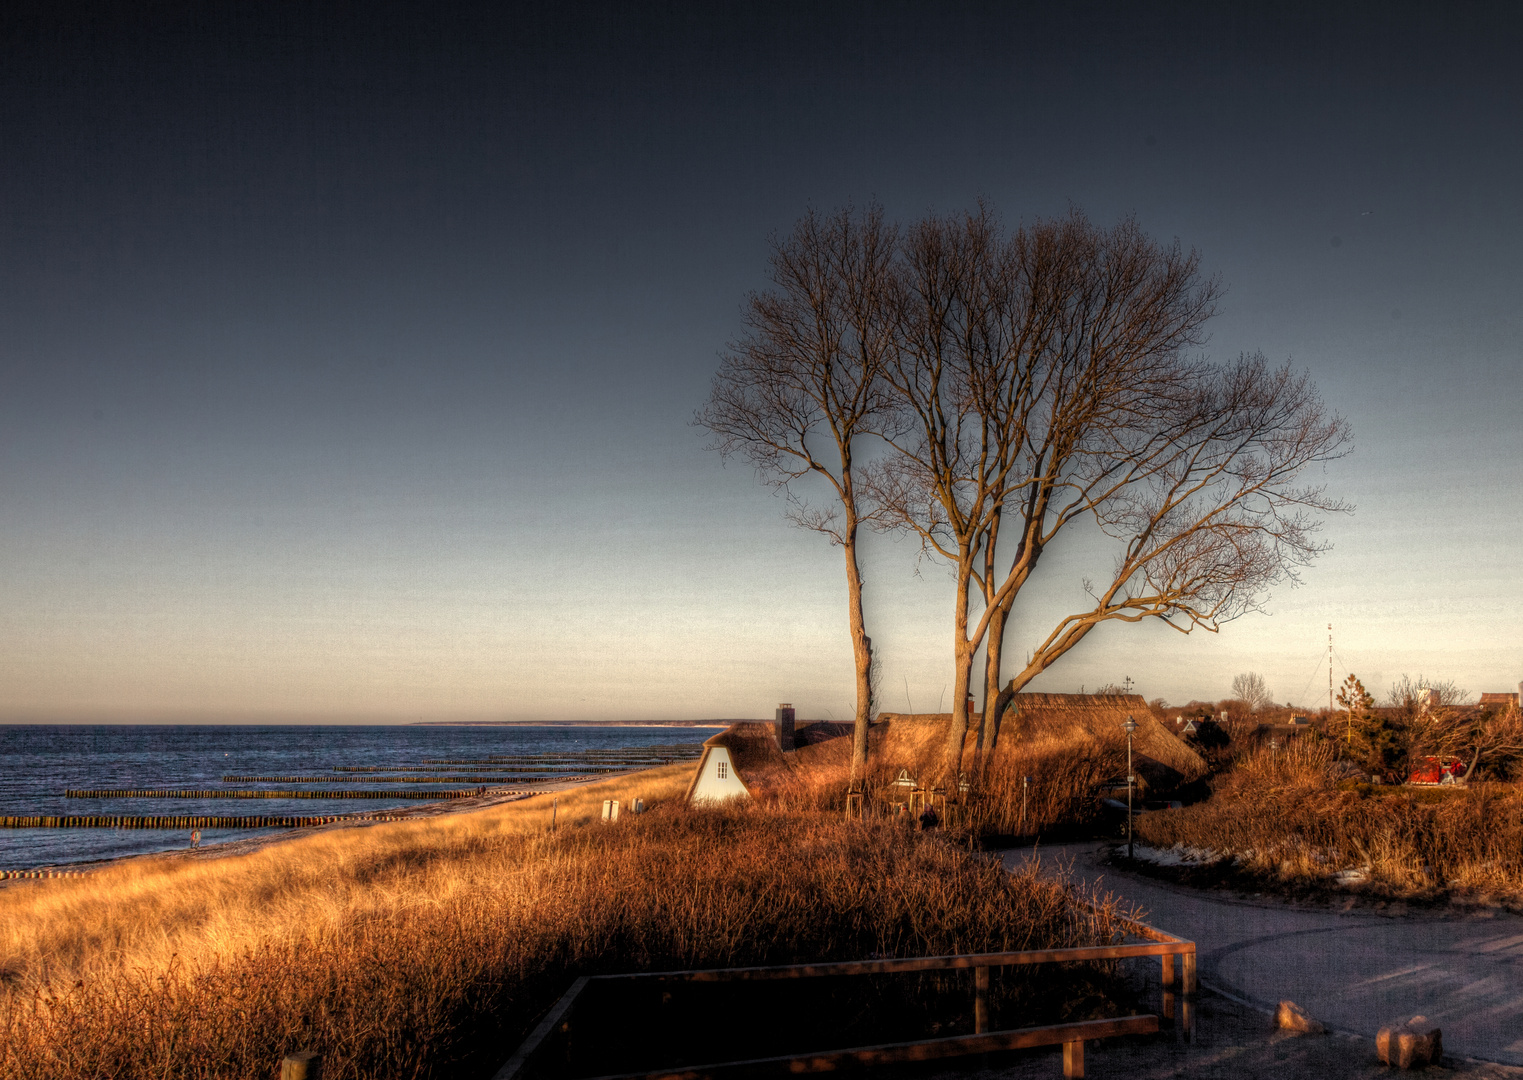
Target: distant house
point(1502, 701)
point(747, 760)
point(1057, 725)
point(1434, 770)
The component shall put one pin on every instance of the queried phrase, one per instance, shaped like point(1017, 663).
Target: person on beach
point(195, 838)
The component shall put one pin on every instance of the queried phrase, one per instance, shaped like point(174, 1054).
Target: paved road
point(1354, 970)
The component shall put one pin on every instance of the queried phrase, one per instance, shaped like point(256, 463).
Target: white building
point(717, 778)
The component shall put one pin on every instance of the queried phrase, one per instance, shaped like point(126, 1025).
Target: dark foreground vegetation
point(429, 949)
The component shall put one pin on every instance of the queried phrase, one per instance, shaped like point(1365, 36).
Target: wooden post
point(1167, 960)
point(1190, 986)
point(1073, 1059)
point(302, 1065)
point(980, 1000)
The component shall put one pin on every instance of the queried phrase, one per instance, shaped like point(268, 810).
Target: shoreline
point(248, 845)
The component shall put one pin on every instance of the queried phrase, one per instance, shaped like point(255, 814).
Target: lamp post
point(1274, 749)
point(1129, 727)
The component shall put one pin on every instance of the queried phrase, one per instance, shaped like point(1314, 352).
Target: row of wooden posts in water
point(453, 793)
point(533, 759)
point(482, 768)
point(488, 768)
point(184, 821)
point(234, 779)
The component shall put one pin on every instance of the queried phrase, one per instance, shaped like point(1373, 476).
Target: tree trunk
point(1475, 759)
point(1001, 703)
point(988, 724)
point(958, 735)
point(962, 651)
point(863, 654)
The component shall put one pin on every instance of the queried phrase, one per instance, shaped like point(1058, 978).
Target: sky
point(349, 354)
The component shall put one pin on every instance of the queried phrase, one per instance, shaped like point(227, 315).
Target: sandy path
point(1355, 969)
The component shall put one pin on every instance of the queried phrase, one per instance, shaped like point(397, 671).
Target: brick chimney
point(784, 726)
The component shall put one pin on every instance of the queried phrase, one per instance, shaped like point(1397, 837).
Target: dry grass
point(427, 948)
point(1282, 817)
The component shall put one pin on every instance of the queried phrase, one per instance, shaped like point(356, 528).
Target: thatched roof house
point(1040, 724)
point(744, 760)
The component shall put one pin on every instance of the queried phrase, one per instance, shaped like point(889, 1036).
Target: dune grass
point(427, 948)
point(1284, 818)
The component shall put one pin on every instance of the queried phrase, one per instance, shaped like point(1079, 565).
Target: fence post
point(1189, 965)
point(302, 1065)
point(980, 1000)
point(1073, 1059)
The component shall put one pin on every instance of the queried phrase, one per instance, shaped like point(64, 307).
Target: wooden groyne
point(478, 780)
point(485, 768)
point(452, 793)
point(13, 875)
point(571, 759)
point(185, 821)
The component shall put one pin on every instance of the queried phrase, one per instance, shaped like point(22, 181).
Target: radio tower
point(1329, 672)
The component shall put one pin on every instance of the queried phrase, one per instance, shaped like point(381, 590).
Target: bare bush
point(1250, 688)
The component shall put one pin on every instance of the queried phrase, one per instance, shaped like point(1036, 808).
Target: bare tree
point(1472, 735)
point(1048, 382)
point(1250, 688)
point(1207, 510)
point(1023, 361)
point(1411, 695)
point(803, 385)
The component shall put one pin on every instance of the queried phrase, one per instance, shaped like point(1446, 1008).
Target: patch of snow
point(1178, 855)
point(1357, 876)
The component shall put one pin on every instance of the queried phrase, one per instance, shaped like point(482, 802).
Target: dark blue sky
point(348, 355)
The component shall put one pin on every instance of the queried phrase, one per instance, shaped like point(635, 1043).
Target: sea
point(42, 761)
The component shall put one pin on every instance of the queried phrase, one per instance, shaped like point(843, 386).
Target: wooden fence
point(561, 1020)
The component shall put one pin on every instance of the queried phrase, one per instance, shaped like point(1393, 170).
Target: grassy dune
point(427, 948)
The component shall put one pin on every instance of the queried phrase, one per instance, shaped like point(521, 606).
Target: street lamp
point(1274, 747)
point(1129, 727)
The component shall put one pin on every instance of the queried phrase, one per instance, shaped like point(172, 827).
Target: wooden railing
point(559, 1020)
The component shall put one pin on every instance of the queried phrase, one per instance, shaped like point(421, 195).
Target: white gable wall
point(716, 778)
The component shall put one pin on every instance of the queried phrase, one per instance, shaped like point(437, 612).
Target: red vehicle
point(1434, 770)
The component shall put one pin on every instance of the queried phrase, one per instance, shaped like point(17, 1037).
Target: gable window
point(723, 769)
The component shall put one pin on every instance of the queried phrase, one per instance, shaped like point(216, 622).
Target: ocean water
point(42, 761)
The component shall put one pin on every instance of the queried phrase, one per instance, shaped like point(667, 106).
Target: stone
point(1291, 1017)
point(1409, 1044)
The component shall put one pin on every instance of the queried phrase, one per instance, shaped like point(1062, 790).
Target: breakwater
point(452, 793)
point(16, 875)
point(237, 779)
point(183, 821)
point(484, 768)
